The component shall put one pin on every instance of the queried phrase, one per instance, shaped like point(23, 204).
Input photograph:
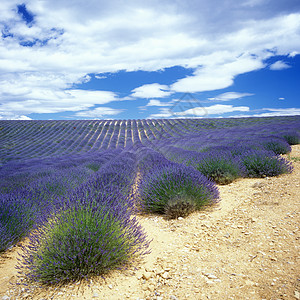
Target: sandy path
point(246, 247)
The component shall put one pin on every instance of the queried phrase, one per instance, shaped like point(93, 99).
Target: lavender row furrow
point(122, 133)
point(107, 137)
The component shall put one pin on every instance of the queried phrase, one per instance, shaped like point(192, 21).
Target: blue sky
point(62, 59)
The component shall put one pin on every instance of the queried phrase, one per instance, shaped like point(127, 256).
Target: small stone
point(172, 297)
point(167, 268)
point(96, 295)
point(211, 276)
point(210, 282)
point(258, 184)
point(249, 282)
point(273, 258)
point(180, 218)
point(110, 286)
point(5, 297)
point(148, 267)
point(159, 272)
point(151, 288)
point(165, 275)
point(147, 275)
point(297, 295)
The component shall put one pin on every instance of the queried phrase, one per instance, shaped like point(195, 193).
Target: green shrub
point(261, 163)
point(87, 238)
point(221, 167)
point(292, 138)
point(166, 188)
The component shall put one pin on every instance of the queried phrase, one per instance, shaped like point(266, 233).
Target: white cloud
point(154, 102)
point(212, 110)
point(293, 54)
point(100, 76)
point(230, 96)
point(71, 39)
point(26, 100)
point(153, 90)
point(279, 65)
point(98, 112)
point(273, 112)
point(281, 112)
point(163, 113)
point(281, 98)
point(12, 116)
point(214, 75)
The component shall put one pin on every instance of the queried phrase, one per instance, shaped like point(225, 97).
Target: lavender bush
point(147, 159)
point(262, 163)
point(18, 215)
point(220, 166)
point(88, 237)
point(118, 172)
point(292, 137)
point(277, 145)
point(173, 184)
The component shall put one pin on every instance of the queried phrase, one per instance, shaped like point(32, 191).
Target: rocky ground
point(246, 247)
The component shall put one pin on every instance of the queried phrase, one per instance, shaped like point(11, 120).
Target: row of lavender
point(236, 152)
point(81, 203)
point(32, 139)
point(80, 210)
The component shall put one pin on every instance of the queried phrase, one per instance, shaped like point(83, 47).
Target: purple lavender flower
point(261, 163)
point(18, 215)
point(163, 184)
point(220, 166)
point(87, 237)
point(276, 144)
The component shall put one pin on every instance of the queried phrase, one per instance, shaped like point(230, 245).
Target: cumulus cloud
point(98, 112)
point(214, 75)
point(212, 110)
point(230, 96)
point(293, 54)
point(154, 102)
point(67, 40)
point(281, 112)
point(279, 65)
point(153, 90)
point(12, 116)
point(272, 112)
point(26, 100)
point(163, 113)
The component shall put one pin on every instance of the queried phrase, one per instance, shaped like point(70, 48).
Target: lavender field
point(75, 187)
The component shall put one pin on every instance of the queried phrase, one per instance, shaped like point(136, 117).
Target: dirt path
point(246, 247)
